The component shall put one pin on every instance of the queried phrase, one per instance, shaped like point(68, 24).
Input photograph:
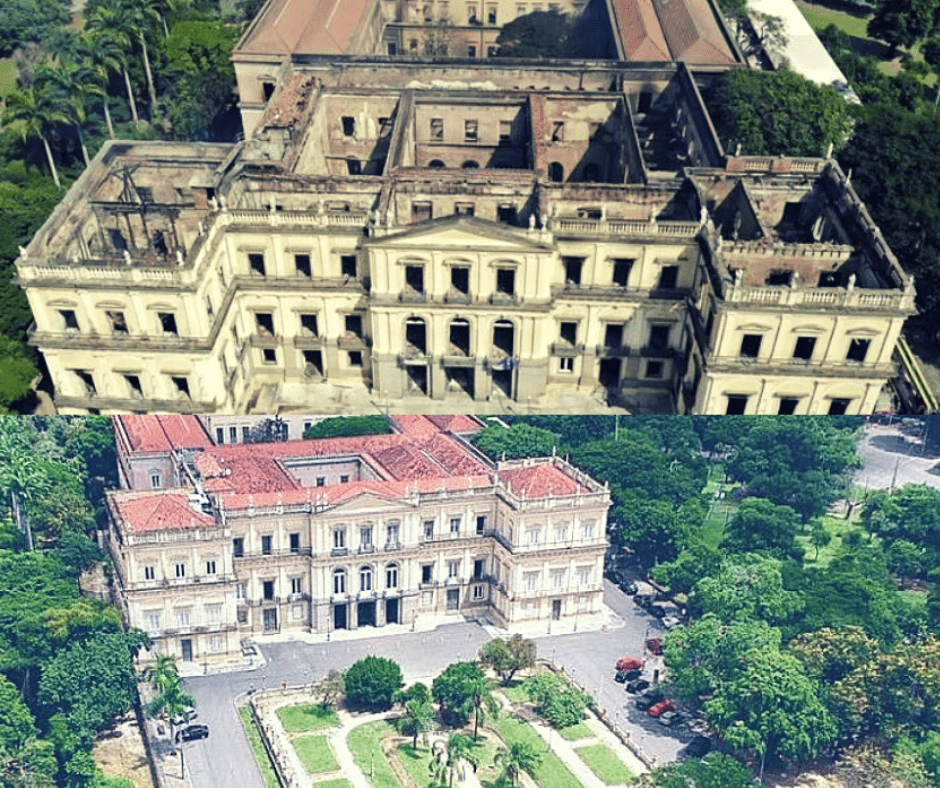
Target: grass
point(339, 782)
point(307, 717)
point(315, 754)
point(514, 692)
point(835, 526)
point(8, 73)
point(821, 17)
point(605, 764)
point(366, 740)
point(551, 772)
point(575, 732)
point(257, 747)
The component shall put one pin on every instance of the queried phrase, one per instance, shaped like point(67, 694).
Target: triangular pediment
point(465, 233)
point(366, 503)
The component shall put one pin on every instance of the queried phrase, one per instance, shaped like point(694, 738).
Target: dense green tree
point(555, 699)
point(520, 440)
point(17, 725)
point(902, 22)
point(571, 430)
point(908, 521)
point(541, 34)
point(347, 426)
point(372, 682)
point(716, 770)
point(17, 373)
point(760, 526)
point(830, 654)
point(110, 29)
point(35, 109)
point(707, 652)
point(455, 689)
point(746, 587)
point(417, 717)
point(653, 530)
point(25, 21)
point(771, 708)
point(519, 757)
point(76, 84)
point(507, 656)
point(696, 561)
point(930, 755)
point(772, 113)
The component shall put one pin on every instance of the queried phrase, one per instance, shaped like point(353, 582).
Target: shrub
point(372, 682)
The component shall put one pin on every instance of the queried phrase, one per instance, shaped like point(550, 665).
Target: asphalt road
point(894, 459)
point(226, 759)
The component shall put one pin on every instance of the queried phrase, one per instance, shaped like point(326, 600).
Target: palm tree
point(446, 757)
point(520, 757)
point(417, 718)
point(172, 702)
point(102, 55)
point(109, 33)
point(35, 108)
point(482, 702)
point(138, 14)
point(76, 85)
point(162, 673)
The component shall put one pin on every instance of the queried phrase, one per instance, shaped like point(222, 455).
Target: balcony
point(339, 551)
point(393, 545)
point(366, 548)
point(352, 342)
point(413, 297)
point(621, 351)
point(504, 299)
point(456, 297)
point(566, 349)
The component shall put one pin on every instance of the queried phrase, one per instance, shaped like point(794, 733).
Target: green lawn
point(366, 740)
point(306, 717)
point(339, 782)
point(605, 764)
point(315, 754)
point(821, 17)
point(417, 762)
point(257, 747)
point(836, 527)
point(514, 692)
point(551, 772)
point(575, 732)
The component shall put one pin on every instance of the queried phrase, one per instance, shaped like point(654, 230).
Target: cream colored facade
point(424, 237)
point(209, 570)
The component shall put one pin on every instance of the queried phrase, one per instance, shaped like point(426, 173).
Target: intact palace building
point(319, 536)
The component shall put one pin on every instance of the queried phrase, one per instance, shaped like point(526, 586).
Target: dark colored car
point(658, 708)
point(655, 645)
point(698, 747)
point(626, 675)
point(628, 587)
point(191, 732)
point(649, 698)
point(637, 685)
point(669, 717)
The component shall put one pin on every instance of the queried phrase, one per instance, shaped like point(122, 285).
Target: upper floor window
point(365, 578)
point(118, 323)
point(391, 576)
point(365, 536)
point(150, 572)
point(858, 350)
point(339, 581)
point(339, 538)
point(455, 525)
point(69, 320)
point(180, 570)
point(210, 567)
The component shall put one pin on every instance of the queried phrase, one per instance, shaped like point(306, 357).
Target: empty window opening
point(858, 350)
point(668, 277)
point(349, 125)
point(503, 336)
point(804, 348)
point(569, 332)
point(414, 278)
point(417, 379)
point(313, 363)
point(778, 278)
point(556, 173)
point(302, 264)
point(592, 173)
point(267, 90)
point(117, 240)
point(613, 335)
point(460, 337)
point(558, 131)
point(506, 214)
point(470, 131)
point(470, 164)
point(505, 131)
point(491, 15)
point(269, 354)
point(265, 323)
point(385, 128)
point(415, 336)
point(459, 380)
point(391, 48)
point(472, 50)
point(421, 211)
point(69, 320)
point(88, 381)
point(659, 337)
point(645, 102)
point(573, 266)
point(180, 386)
point(267, 587)
point(167, 322)
point(436, 164)
point(787, 406)
point(622, 268)
point(590, 213)
point(830, 279)
point(506, 281)
point(750, 345)
point(256, 264)
point(353, 325)
point(118, 323)
point(609, 375)
point(353, 167)
point(654, 369)
point(737, 405)
point(355, 358)
point(308, 325)
point(347, 264)
point(133, 386)
point(839, 407)
point(464, 208)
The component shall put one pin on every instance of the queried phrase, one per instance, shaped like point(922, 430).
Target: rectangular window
point(566, 364)
point(180, 386)
point(355, 358)
point(478, 592)
point(210, 567)
point(470, 131)
point(133, 386)
point(613, 335)
point(479, 567)
point(858, 350)
point(302, 264)
point(256, 264)
point(533, 536)
point(181, 570)
point(219, 435)
point(343, 479)
point(654, 369)
point(365, 536)
point(437, 128)
point(505, 126)
point(238, 547)
point(427, 573)
point(659, 337)
point(391, 576)
point(471, 51)
point(463, 209)
point(339, 538)
point(155, 480)
point(839, 407)
point(737, 405)
point(266, 545)
point(349, 125)
point(787, 406)
point(414, 278)
point(353, 325)
point(246, 434)
point(804, 348)
point(241, 590)
point(264, 322)
point(622, 268)
point(269, 355)
point(750, 345)
point(353, 167)
point(453, 568)
point(421, 211)
point(182, 617)
point(531, 581)
point(455, 525)
point(460, 279)
point(584, 575)
point(561, 534)
point(69, 320)
point(118, 323)
point(267, 590)
point(573, 267)
point(506, 214)
point(481, 524)
point(295, 543)
point(150, 573)
point(167, 323)
point(588, 531)
point(392, 534)
point(429, 529)
point(214, 615)
point(491, 15)
point(347, 264)
point(506, 281)
point(88, 381)
point(153, 622)
point(668, 277)
point(296, 585)
point(233, 434)
point(558, 579)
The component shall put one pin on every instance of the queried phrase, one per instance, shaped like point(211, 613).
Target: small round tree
point(372, 682)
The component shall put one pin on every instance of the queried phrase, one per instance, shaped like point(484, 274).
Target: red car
point(658, 708)
point(655, 645)
point(629, 663)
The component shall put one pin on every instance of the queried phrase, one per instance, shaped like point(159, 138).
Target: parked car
point(629, 663)
point(637, 685)
point(628, 587)
point(658, 708)
point(671, 621)
point(191, 732)
point(626, 675)
point(188, 715)
point(698, 747)
point(670, 718)
point(649, 698)
point(655, 645)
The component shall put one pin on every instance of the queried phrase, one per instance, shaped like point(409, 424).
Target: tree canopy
point(540, 34)
point(372, 682)
point(520, 440)
point(348, 426)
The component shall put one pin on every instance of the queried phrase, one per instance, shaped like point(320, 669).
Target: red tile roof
point(640, 31)
point(164, 433)
point(159, 511)
point(318, 27)
point(692, 32)
point(537, 481)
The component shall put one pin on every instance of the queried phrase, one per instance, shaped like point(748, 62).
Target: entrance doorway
point(186, 646)
point(453, 598)
point(556, 609)
point(339, 617)
point(417, 379)
point(270, 619)
point(391, 611)
point(610, 372)
point(502, 382)
point(366, 614)
point(459, 380)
